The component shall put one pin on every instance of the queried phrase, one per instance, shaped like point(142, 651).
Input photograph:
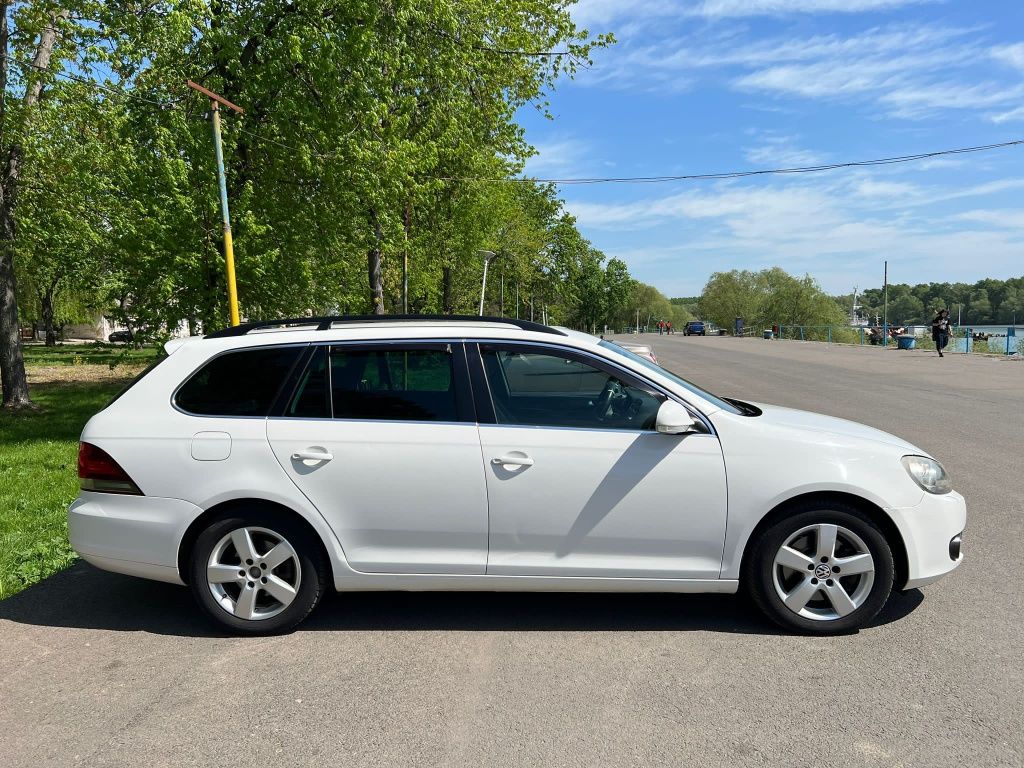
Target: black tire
point(759, 570)
point(311, 574)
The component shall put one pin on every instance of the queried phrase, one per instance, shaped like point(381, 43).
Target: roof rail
point(326, 323)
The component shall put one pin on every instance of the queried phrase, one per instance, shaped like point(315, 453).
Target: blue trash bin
point(906, 342)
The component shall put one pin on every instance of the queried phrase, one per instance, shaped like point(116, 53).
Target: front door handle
point(312, 455)
point(513, 460)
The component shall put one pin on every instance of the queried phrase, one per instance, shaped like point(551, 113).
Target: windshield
point(643, 361)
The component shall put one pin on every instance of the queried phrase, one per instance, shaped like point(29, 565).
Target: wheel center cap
point(823, 571)
point(255, 572)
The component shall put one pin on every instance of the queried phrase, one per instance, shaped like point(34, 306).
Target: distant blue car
point(694, 328)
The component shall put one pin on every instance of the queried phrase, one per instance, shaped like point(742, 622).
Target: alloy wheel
point(253, 573)
point(823, 572)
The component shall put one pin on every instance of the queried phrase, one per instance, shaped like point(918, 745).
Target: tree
point(768, 297)
point(728, 295)
point(23, 28)
point(906, 309)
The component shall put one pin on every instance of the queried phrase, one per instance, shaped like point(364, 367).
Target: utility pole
point(229, 250)
point(885, 307)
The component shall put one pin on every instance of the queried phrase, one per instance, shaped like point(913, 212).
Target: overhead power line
point(567, 181)
point(743, 174)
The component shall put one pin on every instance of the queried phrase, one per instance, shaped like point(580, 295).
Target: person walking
point(940, 330)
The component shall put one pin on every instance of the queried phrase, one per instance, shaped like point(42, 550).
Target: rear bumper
point(928, 529)
point(135, 535)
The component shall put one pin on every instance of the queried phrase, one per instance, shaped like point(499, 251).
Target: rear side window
point(242, 383)
point(393, 384)
point(383, 384)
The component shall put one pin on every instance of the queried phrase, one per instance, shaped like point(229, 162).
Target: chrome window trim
point(607, 361)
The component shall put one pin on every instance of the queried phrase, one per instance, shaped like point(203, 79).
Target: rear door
point(578, 480)
point(382, 439)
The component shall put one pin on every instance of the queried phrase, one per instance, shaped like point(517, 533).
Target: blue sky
point(697, 86)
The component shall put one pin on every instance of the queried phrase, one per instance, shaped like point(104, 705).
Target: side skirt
point(428, 582)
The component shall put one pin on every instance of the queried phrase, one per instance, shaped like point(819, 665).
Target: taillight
point(97, 471)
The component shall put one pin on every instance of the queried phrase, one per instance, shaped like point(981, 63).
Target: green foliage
point(365, 124)
point(986, 302)
point(766, 298)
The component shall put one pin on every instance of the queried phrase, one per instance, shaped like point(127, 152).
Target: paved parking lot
point(98, 669)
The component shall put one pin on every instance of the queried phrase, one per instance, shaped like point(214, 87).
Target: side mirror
point(674, 419)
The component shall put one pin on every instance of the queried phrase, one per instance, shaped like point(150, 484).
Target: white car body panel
point(604, 503)
point(678, 524)
point(405, 497)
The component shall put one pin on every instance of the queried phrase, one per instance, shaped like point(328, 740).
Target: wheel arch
point(877, 515)
point(188, 540)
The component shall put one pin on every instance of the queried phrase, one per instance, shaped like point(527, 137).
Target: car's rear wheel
point(257, 572)
point(824, 569)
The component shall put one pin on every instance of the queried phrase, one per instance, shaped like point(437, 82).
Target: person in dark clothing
point(940, 330)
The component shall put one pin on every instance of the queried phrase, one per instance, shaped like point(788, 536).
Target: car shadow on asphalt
point(85, 597)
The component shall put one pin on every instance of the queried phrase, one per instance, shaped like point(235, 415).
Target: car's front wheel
point(825, 569)
point(257, 572)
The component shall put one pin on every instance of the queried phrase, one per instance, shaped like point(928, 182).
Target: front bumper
point(135, 535)
point(928, 530)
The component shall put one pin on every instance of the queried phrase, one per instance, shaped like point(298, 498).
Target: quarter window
point(552, 390)
point(242, 383)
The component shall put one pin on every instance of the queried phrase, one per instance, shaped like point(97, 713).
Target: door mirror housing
point(674, 419)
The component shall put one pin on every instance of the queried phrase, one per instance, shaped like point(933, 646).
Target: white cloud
point(901, 70)
point(1014, 115)
point(1010, 54)
point(834, 228)
point(740, 8)
point(561, 156)
point(782, 151)
point(597, 12)
point(1002, 218)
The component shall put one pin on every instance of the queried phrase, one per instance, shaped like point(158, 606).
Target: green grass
point(38, 476)
point(87, 354)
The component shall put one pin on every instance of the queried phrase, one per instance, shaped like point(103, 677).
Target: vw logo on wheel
point(823, 571)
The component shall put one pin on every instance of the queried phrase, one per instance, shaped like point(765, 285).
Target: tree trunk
point(373, 264)
point(447, 303)
point(12, 361)
point(46, 308)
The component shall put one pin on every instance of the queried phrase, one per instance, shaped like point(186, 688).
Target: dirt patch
point(45, 374)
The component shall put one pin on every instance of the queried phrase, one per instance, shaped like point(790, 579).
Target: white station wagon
point(264, 463)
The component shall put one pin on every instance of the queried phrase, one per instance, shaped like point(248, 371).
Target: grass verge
point(38, 462)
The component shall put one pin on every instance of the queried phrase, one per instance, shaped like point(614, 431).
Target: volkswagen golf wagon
point(266, 463)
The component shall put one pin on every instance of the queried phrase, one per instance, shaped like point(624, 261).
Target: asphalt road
point(98, 669)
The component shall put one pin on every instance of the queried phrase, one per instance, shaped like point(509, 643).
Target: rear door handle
point(513, 461)
point(312, 456)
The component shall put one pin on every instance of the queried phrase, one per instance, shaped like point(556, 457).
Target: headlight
point(928, 474)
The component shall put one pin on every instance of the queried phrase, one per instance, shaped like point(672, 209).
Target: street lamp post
point(488, 256)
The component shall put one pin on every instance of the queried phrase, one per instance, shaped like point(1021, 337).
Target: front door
point(579, 482)
point(381, 439)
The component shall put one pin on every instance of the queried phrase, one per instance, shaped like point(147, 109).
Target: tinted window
point(549, 390)
point(242, 383)
point(643, 361)
point(312, 395)
point(406, 384)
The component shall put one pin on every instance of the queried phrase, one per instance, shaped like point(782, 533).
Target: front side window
point(241, 383)
point(382, 384)
point(546, 389)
